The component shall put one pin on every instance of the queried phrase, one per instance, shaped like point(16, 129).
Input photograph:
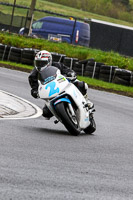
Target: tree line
point(119, 9)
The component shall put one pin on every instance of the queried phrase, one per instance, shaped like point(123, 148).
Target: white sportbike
point(65, 102)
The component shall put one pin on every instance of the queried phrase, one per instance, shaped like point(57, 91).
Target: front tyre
point(69, 122)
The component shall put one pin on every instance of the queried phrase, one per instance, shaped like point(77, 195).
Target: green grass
point(57, 8)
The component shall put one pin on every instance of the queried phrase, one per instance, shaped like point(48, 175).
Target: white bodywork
point(60, 84)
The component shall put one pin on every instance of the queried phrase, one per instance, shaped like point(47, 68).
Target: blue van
point(66, 30)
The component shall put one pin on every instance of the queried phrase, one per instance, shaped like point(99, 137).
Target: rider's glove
point(71, 75)
point(34, 93)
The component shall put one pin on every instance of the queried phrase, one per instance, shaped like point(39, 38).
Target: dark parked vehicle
point(62, 30)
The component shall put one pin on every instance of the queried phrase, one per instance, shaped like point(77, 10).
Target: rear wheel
point(69, 121)
point(92, 127)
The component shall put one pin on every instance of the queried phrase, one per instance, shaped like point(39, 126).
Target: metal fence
point(20, 21)
point(5, 22)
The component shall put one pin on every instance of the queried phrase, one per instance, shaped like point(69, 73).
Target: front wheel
point(92, 127)
point(68, 120)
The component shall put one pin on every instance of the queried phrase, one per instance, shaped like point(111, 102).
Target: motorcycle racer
point(43, 59)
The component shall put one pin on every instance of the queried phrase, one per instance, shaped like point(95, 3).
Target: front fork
point(71, 110)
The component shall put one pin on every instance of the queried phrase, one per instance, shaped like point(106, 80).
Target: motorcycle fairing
point(53, 88)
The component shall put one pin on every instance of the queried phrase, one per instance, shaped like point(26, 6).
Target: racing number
point(52, 88)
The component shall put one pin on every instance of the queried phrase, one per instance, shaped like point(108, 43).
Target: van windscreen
point(37, 25)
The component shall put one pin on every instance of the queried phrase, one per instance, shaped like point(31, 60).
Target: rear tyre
point(92, 127)
point(69, 122)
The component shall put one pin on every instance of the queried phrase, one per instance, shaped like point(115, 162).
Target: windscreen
point(47, 74)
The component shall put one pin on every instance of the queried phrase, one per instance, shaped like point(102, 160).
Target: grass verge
point(92, 83)
point(108, 58)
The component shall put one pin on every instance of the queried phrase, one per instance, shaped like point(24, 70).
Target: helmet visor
point(41, 63)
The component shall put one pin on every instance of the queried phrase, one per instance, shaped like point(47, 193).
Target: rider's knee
point(82, 86)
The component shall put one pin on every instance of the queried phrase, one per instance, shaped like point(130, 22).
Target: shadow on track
point(47, 131)
point(54, 131)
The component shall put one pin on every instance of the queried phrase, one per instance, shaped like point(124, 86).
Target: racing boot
point(83, 88)
point(89, 104)
point(47, 113)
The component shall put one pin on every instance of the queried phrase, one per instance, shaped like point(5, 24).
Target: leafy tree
point(120, 9)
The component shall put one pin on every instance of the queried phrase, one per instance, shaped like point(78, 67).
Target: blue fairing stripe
point(62, 99)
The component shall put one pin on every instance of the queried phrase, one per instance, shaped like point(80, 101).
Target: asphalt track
point(40, 160)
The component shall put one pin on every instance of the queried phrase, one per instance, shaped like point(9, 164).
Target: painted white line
point(14, 107)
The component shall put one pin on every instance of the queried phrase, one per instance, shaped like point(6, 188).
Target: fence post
point(94, 70)
point(12, 15)
point(30, 17)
